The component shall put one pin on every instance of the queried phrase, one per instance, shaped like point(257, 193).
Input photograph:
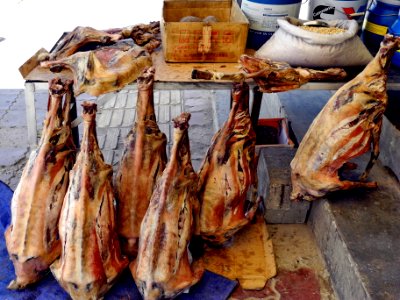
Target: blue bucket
point(263, 15)
point(395, 30)
point(380, 16)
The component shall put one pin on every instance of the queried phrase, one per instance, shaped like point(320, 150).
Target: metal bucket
point(339, 9)
point(262, 16)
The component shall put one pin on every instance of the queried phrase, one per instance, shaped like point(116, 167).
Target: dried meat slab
point(32, 237)
point(90, 260)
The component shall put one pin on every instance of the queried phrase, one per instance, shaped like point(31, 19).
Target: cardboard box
point(222, 41)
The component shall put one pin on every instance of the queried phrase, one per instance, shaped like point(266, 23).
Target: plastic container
point(395, 30)
point(262, 15)
point(380, 16)
point(339, 9)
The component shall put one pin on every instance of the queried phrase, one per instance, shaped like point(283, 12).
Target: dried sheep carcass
point(142, 162)
point(345, 128)
point(142, 34)
point(90, 259)
point(32, 238)
point(87, 38)
point(106, 69)
point(272, 76)
point(163, 267)
point(82, 36)
point(228, 173)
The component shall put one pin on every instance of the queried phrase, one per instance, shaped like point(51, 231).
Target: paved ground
point(13, 132)
point(116, 114)
point(115, 117)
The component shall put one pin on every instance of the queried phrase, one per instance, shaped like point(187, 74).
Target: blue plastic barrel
point(380, 16)
point(395, 30)
point(263, 15)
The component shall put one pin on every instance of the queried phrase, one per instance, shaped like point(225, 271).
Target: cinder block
point(274, 185)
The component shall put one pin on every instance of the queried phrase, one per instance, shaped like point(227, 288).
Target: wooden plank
point(182, 72)
point(249, 258)
point(174, 10)
point(44, 74)
point(165, 72)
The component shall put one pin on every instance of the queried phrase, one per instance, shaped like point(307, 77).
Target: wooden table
point(171, 76)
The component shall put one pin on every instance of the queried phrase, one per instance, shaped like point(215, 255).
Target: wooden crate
point(222, 41)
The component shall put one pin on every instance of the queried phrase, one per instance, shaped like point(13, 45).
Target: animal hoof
point(14, 285)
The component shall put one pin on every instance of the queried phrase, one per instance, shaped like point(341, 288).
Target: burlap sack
point(299, 47)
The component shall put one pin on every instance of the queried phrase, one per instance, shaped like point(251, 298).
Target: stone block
point(176, 110)
point(357, 232)
point(129, 117)
point(274, 185)
point(389, 146)
point(163, 114)
point(112, 136)
point(103, 118)
point(131, 100)
point(164, 97)
point(107, 101)
point(121, 98)
point(117, 118)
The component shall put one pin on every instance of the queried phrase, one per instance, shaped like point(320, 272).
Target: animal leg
point(252, 211)
point(376, 132)
point(347, 185)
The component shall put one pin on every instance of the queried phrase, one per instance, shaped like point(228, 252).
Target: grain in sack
point(337, 45)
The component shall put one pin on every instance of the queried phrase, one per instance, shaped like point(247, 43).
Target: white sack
point(299, 47)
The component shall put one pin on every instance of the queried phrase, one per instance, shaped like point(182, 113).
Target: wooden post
point(73, 116)
point(31, 113)
point(255, 110)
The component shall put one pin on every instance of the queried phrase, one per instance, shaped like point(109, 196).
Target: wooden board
point(182, 72)
point(249, 258)
point(165, 72)
point(43, 74)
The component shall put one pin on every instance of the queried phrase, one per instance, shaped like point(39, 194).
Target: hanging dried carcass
point(82, 36)
point(344, 129)
point(32, 238)
point(106, 69)
point(90, 259)
point(141, 33)
point(272, 76)
point(163, 268)
point(228, 173)
point(87, 38)
point(142, 162)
